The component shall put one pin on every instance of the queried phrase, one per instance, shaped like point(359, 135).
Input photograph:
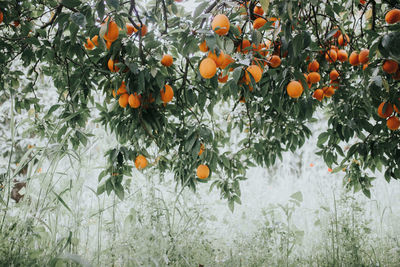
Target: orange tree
point(163, 74)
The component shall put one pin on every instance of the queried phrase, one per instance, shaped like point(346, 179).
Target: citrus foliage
point(156, 75)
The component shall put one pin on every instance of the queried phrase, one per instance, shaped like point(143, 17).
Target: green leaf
point(100, 9)
point(62, 201)
point(200, 8)
point(265, 5)
point(79, 19)
point(297, 196)
point(113, 3)
point(71, 3)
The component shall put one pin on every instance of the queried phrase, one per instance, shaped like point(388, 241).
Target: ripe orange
point(123, 100)
point(314, 77)
point(258, 10)
point(334, 75)
point(342, 55)
point(353, 59)
point(130, 29)
point(343, 40)
point(393, 123)
point(140, 162)
point(388, 111)
point(222, 79)
point(258, 23)
point(242, 47)
point(134, 100)
point(111, 65)
point(202, 148)
point(274, 61)
point(335, 48)
point(331, 56)
point(227, 60)
point(390, 66)
point(318, 94)
point(203, 46)
point(365, 66)
point(255, 71)
point(112, 32)
point(222, 22)
point(313, 66)
point(393, 16)
point(167, 94)
point(363, 57)
point(1, 17)
point(207, 68)
point(95, 40)
point(203, 171)
point(328, 91)
point(108, 45)
point(294, 89)
point(362, 2)
point(167, 60)
point(122, 89)
point(144, 30)
point(89, 44)
point(219, 60)
point(337, 33)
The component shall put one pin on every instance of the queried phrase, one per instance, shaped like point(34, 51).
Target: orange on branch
point(111, 65)
point(313, 77)
point(203, 171)
point(363, 57)
point(222, 23)
point(219, 60)
point(258, 10)
point(112, 32)
point(258, 23)
point(318, 94)
point(167, 93)
point(274, 61)
point(207, 68)
point(134, 100)
point(393, 16)
point(334, 75)
point(222, 79)
point(167, 60)
point(331, 56)
point(140, 162)
point(342, 55)
point(390, 66)
point(388, 111)
point(313, 66)
point(343, 40)
point(353, 59)
point(123, 100)
point(393, 123)
point(294, 89)
point(255, 71)
point(203, 46)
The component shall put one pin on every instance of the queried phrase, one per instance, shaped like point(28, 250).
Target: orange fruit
point(1, 17)
point(318, 94)
point(363, 57)
point(123, 100)
point(242, 100)
point(335, 48)
point(393, 16)
point(294, 89)
point(365, 66)
point(134, 100)
point(222, 22)
point(331, 56)
point(242, 47)
point(396, 76)
point(203, 46)
point(111, 65)
point(130, 29)
point(16, 23)
point(112, 32)
point(342, 55)
point(167, 60)
point(222, 79)
point(393, 123)
point(334, 75)
point(258, 10)
point(255, 71)
point(388, 111)
point(396, 109)
point(203, 171)
point(390, 66)
point(328, 91)
point(258, 23)
point(140, 162)
point(202, 148)
point(313, 77)
point(353, 59)
point(227, 60)
point(207, 68)
point(95, 40)
point(335, 84)
point(343, 40)
point(219, 60)
point(362, 2)
point(313, 66)
point(89, 44)
point(274, 61)
point(167, 93)
point(108, 45)
point(337, 33)
point(122, 89)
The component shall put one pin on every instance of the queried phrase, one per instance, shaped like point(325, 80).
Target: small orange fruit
point(258, 10)
point(274, 61)
point(363, 57)
point(167, 94)
point(393, 123)
point(203, 46)
point(362, 2)
point(134, 100)
point(108, 45)
point(313, 77)
point(222, 79)
point(343, 40)
point(337, 33)
point(123, 100)
point(167, 60)
point(390, 66)
point(334, 75)
point(313, 66)
point(122, 89)
point(318, 94)
point(222, 23)
point(342, 55)
point(294, 89)
point(331, 56)
point(258, 23)
point(365, 66)
point(112, 32)
point(393, 16)
point(255, 71)
point(95, 40)
point(219, 60)
point(227, 60)
point(353, 59)
point(207, 68)
point(202, 148)
point(203, 171)
point(111, 65)
point(140, 162)
point(1, 17)
point(130, 29)
point(388, 111)
point(328, 91)
point(89, 44)
point(242, 47)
